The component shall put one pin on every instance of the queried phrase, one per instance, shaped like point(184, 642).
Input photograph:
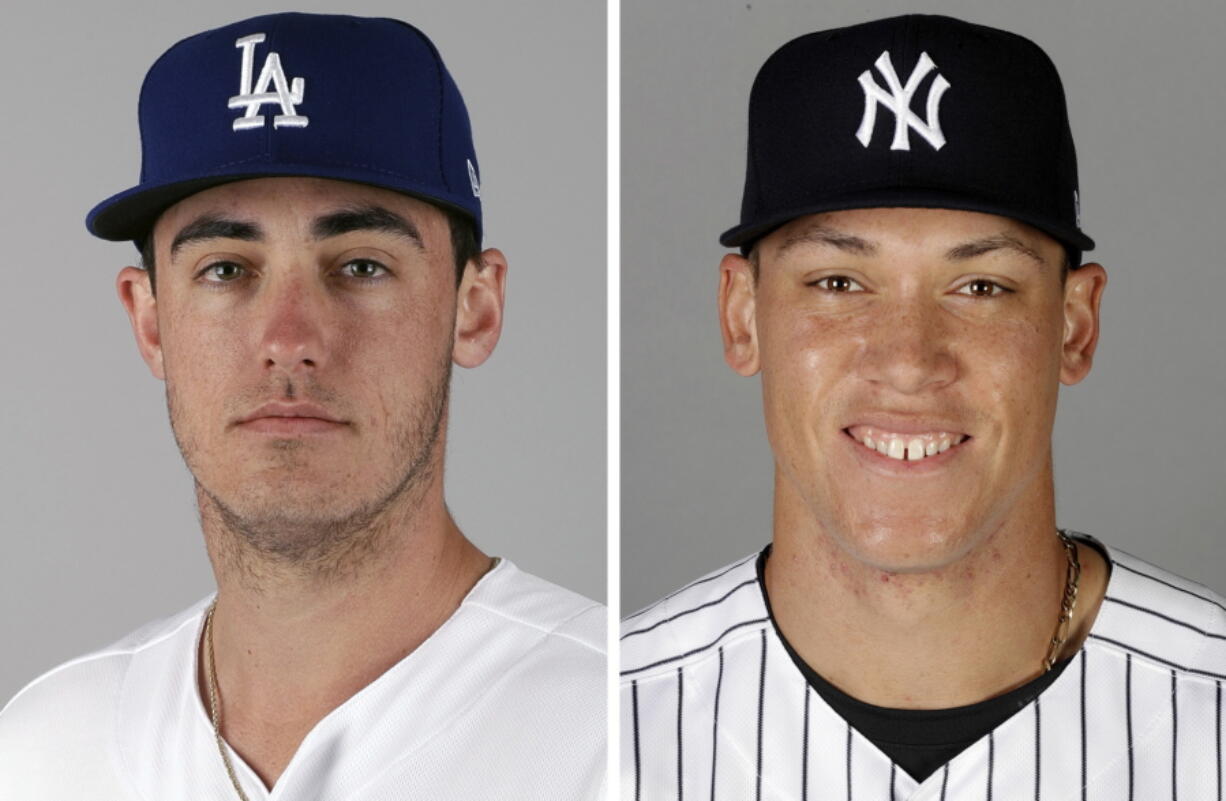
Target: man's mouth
point(910, 446)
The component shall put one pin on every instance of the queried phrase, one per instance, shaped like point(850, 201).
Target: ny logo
point(899, 102)
point(271, 77)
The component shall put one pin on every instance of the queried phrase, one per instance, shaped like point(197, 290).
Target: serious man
point(311, 271)
point(910, 289)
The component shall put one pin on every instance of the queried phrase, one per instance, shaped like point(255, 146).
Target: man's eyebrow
point(978, 247)
point(365, 218)
point(821, 235)
point(214, 226)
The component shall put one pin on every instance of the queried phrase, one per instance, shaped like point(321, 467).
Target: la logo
point(284, 92)
point(899, 102)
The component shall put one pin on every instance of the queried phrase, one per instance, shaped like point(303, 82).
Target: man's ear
point(737, 322)
point(136, 295)
point(479, 305)
point(1083, 293)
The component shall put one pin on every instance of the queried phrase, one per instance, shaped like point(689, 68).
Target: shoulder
point(1161, 619)
point(541, 609)
point(692, 624)
point(57, 735)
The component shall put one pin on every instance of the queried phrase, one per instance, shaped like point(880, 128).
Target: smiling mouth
point(905, 447)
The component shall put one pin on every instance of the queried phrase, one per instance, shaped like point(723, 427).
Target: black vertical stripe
point(1038, 743)
point(893, 770)
point(1128, 717)
point(761, 705)
point(1084, 656)
point(944, 780)
point(848, 762)
point(719, 681)
point(634, 711)
point(1218, 732)
point(991, 762)
point(680, 706)
point(1174, 741)
point(804, 754)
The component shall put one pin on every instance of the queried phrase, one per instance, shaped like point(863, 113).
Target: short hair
point(464, 246)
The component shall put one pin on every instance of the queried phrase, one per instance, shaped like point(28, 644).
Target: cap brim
point(747, 233)
point(131, 214)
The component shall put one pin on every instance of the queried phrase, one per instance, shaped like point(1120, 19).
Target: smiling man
point(311, 272)
point(911, 292)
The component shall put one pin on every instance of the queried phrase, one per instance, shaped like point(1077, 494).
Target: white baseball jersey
point(714, 708)
point(506, 700)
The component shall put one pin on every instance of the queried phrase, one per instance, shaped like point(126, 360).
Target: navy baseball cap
point(912, 111)
point(326, 96)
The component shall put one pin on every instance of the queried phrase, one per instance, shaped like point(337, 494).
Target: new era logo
point(285, 93)
point(899, 102)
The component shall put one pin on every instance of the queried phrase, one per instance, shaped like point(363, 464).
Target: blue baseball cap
point(326, 96)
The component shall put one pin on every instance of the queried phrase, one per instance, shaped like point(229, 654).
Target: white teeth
point(912, 449)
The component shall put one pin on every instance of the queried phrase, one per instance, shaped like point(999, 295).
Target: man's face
point(304, 328)
point(933, 335)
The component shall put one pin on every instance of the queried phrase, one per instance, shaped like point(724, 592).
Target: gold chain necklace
point(214, 706)
point(1064, 622)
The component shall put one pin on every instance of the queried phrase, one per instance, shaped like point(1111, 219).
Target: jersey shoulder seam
point(549, 631)
point(104, 653)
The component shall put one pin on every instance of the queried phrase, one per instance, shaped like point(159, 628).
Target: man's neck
point(291, 646)
point(968, 631)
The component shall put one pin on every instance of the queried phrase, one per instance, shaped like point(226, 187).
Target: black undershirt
point(919, 741)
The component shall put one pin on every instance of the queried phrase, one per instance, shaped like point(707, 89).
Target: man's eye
point(363, 268)
point(983, 288)
point(222, 272)
point(837, 283)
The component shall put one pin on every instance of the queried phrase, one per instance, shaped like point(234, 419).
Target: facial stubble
point(326, 538)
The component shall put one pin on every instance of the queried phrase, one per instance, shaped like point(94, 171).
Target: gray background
point(1139, 444)
point(96, 510)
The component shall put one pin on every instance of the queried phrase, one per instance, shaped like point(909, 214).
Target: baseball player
point(910, 288)
point(310, 222)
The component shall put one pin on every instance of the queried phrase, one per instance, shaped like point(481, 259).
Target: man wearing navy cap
point(311, 272)
point(910, 288)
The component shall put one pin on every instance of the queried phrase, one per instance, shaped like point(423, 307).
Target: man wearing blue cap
point(910, 288)
point(311, 271)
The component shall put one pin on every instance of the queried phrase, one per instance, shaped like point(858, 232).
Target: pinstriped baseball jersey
point(714, 708)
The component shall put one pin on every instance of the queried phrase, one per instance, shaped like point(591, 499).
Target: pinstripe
point(690, 611)
point(1167, 618)
point(1217, 731)
point(848, 762)
point(680, 707)
point(690, 586)
point(638, 763)
point(1039, 742)
point(699, 649)
point(1167, 662)
point(944, 780)
point(1169, 584)
point(1128, 718)
point(761, 707)
point(719, 683)
point(804, 753)
point(893, 771)
point(991, 761)
point(1083, 724)
point(1174, 739)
